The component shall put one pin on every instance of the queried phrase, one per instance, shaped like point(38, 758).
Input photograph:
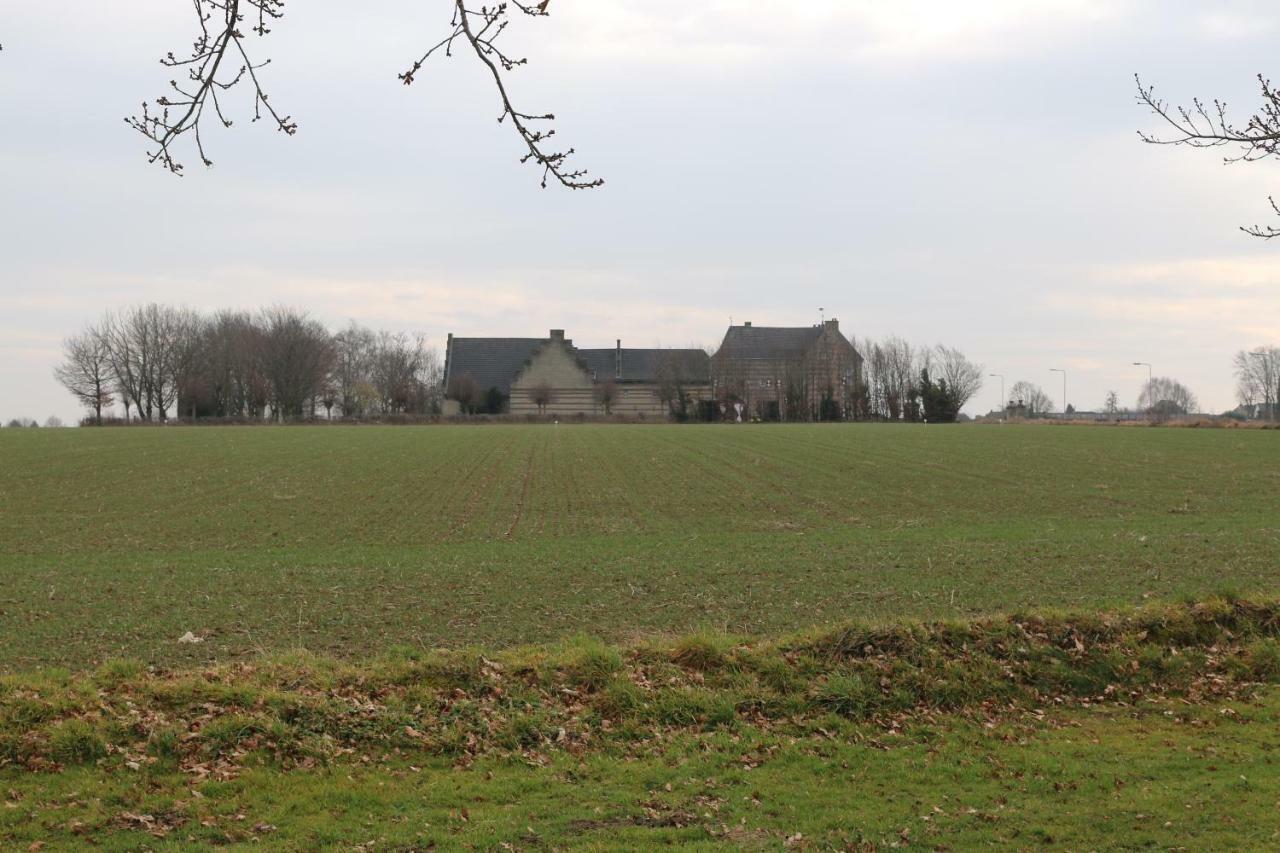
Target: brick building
point(787, 373)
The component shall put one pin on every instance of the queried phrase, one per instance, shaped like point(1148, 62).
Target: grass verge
point(304, 710)
point(1024, 729)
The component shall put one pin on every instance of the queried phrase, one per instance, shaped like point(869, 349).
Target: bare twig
point(1207, 125)
point(481, 29)
point(221, 43)
point(180, 113)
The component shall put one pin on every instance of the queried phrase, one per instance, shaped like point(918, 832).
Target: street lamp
point(1003, 402)
point(1149, 380)
point(1064, 388)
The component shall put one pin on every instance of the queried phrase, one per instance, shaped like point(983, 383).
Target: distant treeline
point(160, 361)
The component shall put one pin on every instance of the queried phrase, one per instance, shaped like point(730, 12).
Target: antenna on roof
point(822, 316)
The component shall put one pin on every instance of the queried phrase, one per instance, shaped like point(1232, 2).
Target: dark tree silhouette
point(607, 394)
point(543, 395)
point(1258, 378)
point(297, 354)
point(1031, 397)
point(1207, 125)
point(1162, 397)
point(220, 62)
point(466, 392)
point(86, 370)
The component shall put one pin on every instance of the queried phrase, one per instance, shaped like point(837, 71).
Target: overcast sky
point(958, 172)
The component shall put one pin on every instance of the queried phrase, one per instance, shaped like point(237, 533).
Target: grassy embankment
point(1143, 728)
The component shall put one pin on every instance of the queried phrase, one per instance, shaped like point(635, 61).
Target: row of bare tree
point(901, 381)
point(137, 356)
point(53, 422)
point(1160, 397)
point(1258, 380)
point(382, 373)
point(1164, 397)
point(159, 361)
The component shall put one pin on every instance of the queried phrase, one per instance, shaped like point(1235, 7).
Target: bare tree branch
point(481, 29)
point(221, 45)
point(181, 112)
point(1207, 125)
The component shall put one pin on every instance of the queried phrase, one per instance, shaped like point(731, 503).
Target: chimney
point(832, 324)
point(747, 324)
point(617, 361)
point(557, 334)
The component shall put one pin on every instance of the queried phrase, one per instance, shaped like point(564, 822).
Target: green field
point(616, 636)
point(345, 540)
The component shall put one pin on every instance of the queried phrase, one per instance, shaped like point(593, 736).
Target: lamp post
point(1003, 402)
point(1064, 389)
point(1147, 365)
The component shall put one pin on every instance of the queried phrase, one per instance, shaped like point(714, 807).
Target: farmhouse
point(551, 376)
point(788, 373)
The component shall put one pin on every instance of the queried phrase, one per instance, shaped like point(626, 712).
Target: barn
point(551, 376)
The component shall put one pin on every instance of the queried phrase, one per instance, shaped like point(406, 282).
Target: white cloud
point(1229, 25)
point(1244, 272)
point(1188, 316)
point(1225, 302)
point(729, 32)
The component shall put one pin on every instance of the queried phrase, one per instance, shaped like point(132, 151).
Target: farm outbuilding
point(551, 376)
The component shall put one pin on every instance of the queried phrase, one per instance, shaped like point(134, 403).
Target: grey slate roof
point(768, 342)
point(646, 365)
point(491, 362)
